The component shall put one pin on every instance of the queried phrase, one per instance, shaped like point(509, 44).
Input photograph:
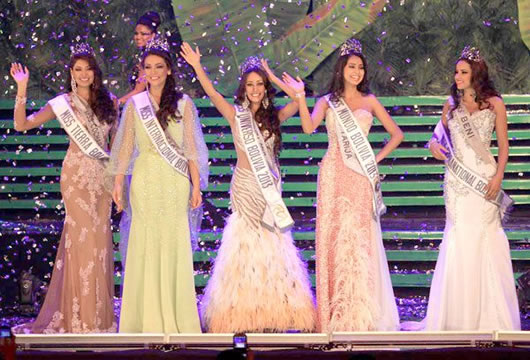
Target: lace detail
point(84, 273)
point(54, 325)
point(76, 322)
point(83, 235)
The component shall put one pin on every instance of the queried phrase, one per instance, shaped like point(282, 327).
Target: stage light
point(29, 286)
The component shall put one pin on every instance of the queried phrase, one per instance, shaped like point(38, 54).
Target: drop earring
point(265, 101)
point(73, 84)
point(245, 103)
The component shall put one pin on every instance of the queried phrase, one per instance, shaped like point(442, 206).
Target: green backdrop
point(411, 45)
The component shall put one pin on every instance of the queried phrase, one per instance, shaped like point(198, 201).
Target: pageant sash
point(466, 176)
point(471, 135)
point(356, 151)
point(156, 134)
point(270, 183)
point(73, 127)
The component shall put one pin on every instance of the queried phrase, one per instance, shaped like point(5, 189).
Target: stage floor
point(350, 345)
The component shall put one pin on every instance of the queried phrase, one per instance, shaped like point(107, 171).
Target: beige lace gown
point(81, 291)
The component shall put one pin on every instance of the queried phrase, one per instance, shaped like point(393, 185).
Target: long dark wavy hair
point(481, 83)
point(266, 118)
point(170, 95)
point(100, 98)
point(336, 85)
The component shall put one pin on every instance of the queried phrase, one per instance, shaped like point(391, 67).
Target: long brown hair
point(100, 98)
point(336, 85)
point(480, 82)
point(170, 95)
point(267, 118)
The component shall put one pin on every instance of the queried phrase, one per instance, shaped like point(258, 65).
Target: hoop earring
point(245, 103)
point(265, 101)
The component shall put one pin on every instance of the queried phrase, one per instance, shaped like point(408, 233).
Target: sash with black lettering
point(356, 151)
point(466, 176)
point(73, 127)
point(145, 111)
point(268, 181)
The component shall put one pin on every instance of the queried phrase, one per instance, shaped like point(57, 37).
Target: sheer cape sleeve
point(194, 148)
point(124, 150)
point(123, 153)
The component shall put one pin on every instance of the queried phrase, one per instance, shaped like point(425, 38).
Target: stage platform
point(384, 340)
point(340, 345)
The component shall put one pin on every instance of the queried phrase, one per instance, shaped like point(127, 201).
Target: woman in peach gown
point(354, 291)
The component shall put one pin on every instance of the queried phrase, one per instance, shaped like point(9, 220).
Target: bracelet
point(19, 100)
point(299, 95)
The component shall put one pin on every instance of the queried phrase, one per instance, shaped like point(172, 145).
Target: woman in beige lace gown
point(80, 295)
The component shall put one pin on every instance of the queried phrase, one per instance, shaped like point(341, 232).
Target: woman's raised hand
point(297, 86)
point(192, 57)
point(266, 67)
point(20, 74)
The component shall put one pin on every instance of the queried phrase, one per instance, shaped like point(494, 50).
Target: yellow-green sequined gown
point(159, 290)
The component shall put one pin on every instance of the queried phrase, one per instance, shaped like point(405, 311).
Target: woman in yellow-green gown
point(159, 291)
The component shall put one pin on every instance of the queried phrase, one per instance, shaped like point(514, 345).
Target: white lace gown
point(473, 286)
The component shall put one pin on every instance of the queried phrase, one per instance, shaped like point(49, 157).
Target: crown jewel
point(157, 43)
point(82, 48)
point(471, 53)
point(351, 46)
point(252, 62)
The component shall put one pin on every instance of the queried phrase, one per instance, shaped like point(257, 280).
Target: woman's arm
point(437, 150)
point(501, 129)
point(21, 76)
point(121, 153)
point(309, 121)
point(196, 195)
point(292, 107)
point(194, 59)
point(396, 135)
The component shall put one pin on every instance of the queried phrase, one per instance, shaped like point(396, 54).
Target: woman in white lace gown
point(473, 285)
point(258, 283)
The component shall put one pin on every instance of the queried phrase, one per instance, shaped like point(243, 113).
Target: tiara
point(157, 43)
point(252, 62)
point(351, 46)
point(471, 53)
point(82, 48)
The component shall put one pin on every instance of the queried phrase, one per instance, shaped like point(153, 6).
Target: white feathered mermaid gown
point(258, 283)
